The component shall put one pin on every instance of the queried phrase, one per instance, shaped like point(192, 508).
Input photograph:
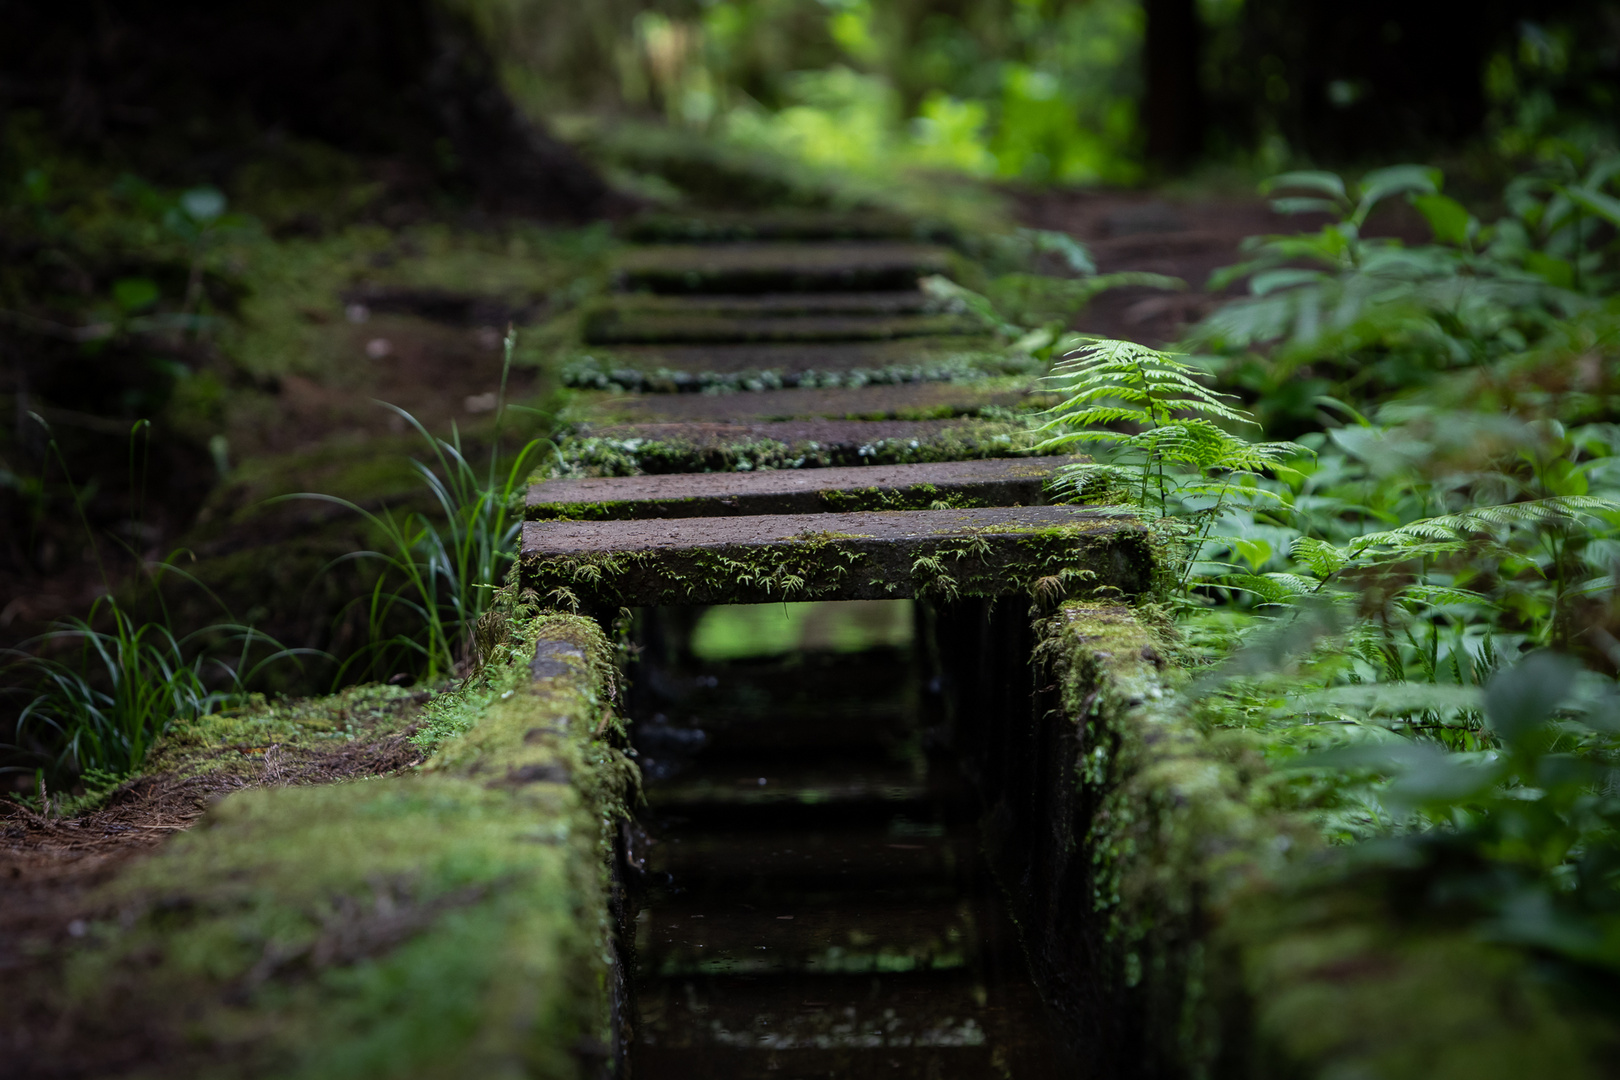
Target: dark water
point(814, 904)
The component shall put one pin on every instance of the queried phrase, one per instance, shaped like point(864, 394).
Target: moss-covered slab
point(781, 305)
point(720, 226)
point(772, 365)
point(619, 326)
point(450, 922)
point(634, 449)
point(903, 401)
point(854, 556)
point(779, 267)
point(988, 482)
point(1185, 924)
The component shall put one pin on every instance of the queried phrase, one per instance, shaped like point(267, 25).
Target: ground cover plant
point(1409, 610)
point(440, 569)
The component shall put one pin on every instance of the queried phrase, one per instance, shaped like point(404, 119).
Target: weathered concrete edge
point(606, 455)
point(1044, 563)
point(481, 883)
point(1021, 482)
point(1210, 951)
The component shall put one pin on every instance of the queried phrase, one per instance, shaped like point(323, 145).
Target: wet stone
point(633, 327)
point(780, 267)
point(904, 401)
point(988, 482)
point(722, 227)
point(779, 305)
point(993, 551)
point(553, 658)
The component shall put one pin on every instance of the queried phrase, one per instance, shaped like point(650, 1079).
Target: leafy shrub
point(1352, 316)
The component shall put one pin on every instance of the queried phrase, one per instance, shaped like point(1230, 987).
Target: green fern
point(1159, 430)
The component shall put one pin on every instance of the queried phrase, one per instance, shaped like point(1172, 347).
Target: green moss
point(635, 456)
point(450, 922)
point(1236, 937)
point(1097, 557)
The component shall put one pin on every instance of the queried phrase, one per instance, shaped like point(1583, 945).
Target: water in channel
point(813, 901)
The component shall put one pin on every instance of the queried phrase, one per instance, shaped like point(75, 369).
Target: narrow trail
point(809, 894)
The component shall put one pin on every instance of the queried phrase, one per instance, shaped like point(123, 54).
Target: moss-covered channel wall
point(451, 921)
point(1179, 923)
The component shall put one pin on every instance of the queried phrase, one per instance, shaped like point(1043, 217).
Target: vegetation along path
point(819, 730)
point(809, 895)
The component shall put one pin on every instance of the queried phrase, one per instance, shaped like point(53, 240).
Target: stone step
point(942, 554)
point(723, 227)
point(854, 934)
point(788, 862)
point(791, 780)
point(893, 401)
point(779, 267)
point(928, 1025)
point(632, 449)
point(781, 305)
point(673, 368)
point(630, 327)
point(987, 482)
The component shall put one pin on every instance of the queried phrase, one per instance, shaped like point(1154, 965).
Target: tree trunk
point(1174, 105)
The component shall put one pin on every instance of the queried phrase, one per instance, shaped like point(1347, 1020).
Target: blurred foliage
point(1040, 90)
point(1417, 621)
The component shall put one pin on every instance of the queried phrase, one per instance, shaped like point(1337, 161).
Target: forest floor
point(321, 429)
point(52, 867)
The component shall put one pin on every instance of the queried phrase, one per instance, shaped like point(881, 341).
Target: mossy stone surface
point(839, 556)
point(655, 448)
point(780, 267)
point(923, 486)
point(449, 922)
point(1223, 938)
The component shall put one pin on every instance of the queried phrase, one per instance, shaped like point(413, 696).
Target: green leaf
point(1596, 202)
point(1448, 219)
point(1522, 698)
point(1304, 205)
point(1329, 184)
point(1380, 184)
point(1550, 268)
point(134, 294)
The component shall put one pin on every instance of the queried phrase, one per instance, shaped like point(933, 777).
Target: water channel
point(812, 901)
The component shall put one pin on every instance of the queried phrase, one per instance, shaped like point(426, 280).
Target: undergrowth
point(99, 692)
point(1411, 609)
point(440, 572)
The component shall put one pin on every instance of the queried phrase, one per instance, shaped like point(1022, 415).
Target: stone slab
point(784, 267)
point(987, 482)
point(674, 368)
point(888, 302)
point(614, 327)
point(633, 449)
point(895, 401)
point(721, 226)
point(940, 554)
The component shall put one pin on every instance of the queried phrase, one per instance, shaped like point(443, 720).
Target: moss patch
point(604, 455)
point(1233, 942)
point(1091, 556)
point(449, 922)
